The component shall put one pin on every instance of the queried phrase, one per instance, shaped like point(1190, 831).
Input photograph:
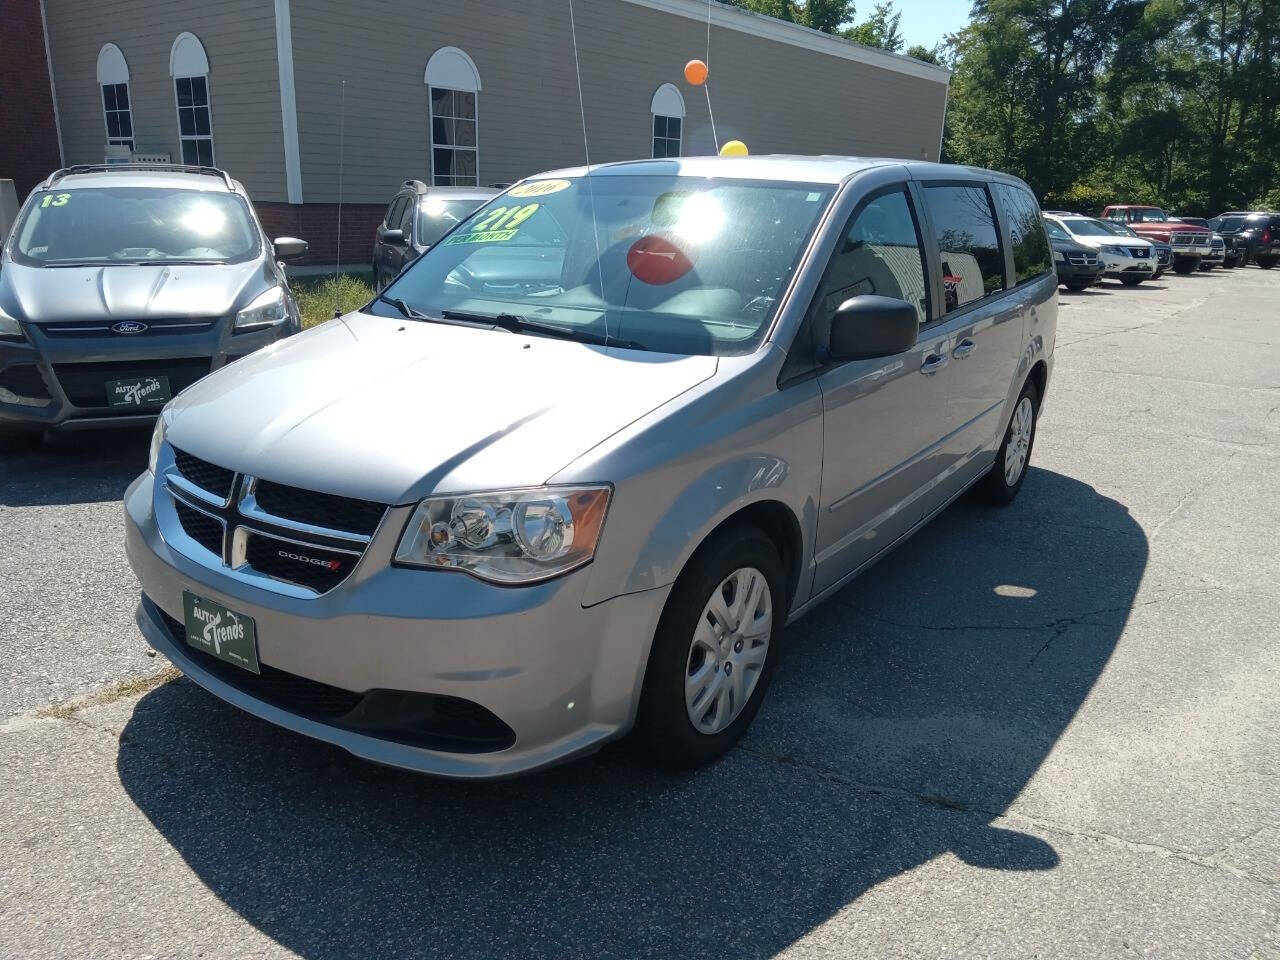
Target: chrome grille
point(1189, 239)
point(1139, 252)
point(265, 531)
point(1163, 254)
point(102, 328)
point(1082, 259)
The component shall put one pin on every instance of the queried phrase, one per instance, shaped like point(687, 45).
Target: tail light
point(1266, 235)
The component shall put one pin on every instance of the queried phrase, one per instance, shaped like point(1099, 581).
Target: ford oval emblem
point(130, 327)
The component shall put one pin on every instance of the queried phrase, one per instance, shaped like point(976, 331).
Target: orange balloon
point(695, 71)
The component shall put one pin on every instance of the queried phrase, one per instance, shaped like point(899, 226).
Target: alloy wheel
point(1019, 442)
point(728, 650)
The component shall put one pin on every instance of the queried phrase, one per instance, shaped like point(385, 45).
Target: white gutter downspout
point(53, 90)
point(946, 102)
point(288, 102)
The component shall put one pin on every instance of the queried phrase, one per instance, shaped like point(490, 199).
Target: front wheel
point(1130, 280)
point(714, 651)
point(1003, 481)
point(1185, 264)
point(1266, 263)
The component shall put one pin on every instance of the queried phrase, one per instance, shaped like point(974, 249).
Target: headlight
point(267, 309)
point(157, 441)
point(10, 329)
point(1116, 251)
point(510, 537)
point(1059, 256)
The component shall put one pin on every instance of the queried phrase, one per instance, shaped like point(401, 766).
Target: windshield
point(1090, 228)
point(437, 217)
point(104, 225)
point(1119, 229)
point(673, 264)
point(1152, 215)
point(1055, 231)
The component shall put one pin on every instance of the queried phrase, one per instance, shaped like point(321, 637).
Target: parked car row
point(1132, 243)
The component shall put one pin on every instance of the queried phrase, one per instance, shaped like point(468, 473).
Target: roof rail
point(139, 165)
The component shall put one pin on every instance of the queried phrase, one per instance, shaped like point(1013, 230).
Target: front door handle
point(964, 348)
point(932, 364)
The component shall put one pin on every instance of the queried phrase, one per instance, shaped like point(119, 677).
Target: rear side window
point(965, 230)
point(395, 211)
point(1026, 232)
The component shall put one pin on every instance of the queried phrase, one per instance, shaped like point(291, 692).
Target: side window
point(394, 213)
point(965, 231)
point(406, 215)
point(1031, 256)
point(879, 254)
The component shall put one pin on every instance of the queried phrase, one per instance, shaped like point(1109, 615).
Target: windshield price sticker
point(55, 200)
point(497, 225)
point(538, 188)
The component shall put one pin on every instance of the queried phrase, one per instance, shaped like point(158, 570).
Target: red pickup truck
point(1189, 241)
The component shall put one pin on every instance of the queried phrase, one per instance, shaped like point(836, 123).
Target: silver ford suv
point(122, 284)
point(570, 475)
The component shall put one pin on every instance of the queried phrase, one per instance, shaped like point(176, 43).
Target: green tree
point(829, 16)
point(880, 29)
point(781, 9)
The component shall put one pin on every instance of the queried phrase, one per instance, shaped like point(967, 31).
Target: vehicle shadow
point(68, 468)
point(907, 714)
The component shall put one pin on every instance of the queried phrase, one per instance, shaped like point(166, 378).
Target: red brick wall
point(28, 132)
point(317, 223)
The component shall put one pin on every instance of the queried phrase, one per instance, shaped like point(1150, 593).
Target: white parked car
point(1127, 259)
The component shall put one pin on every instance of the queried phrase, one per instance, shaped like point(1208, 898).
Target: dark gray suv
point(418, 217)
point(121, 285)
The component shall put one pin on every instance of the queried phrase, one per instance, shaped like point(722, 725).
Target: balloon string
point(586, 151)
point(706, 86)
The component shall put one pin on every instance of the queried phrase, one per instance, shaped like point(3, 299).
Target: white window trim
point(185, 63)
point(114, 72)
point(667, 101)
point(451, 69)
point(288, 102)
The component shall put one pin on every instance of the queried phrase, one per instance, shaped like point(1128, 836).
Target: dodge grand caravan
point(503, 515)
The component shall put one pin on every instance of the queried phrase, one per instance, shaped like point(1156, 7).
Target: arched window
point(113, 81)
point(667, 108)
point(453, 83)
point(189, 68)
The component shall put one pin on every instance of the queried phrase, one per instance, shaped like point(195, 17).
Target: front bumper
point(1122, 264)
point(1073, 273)
point(58, 383)
point(564, 678)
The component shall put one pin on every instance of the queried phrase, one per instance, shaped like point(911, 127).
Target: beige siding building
point(312, 102)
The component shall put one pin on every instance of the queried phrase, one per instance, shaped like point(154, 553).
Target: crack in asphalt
point(1191, 495)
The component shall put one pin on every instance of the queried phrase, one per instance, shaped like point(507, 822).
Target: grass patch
point(126, 688)
point(318, 297)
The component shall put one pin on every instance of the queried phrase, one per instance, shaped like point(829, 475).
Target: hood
point(1069, 246)
point(391, 410)
point(127, 292)
point(1163, 228)
point(1099, 242)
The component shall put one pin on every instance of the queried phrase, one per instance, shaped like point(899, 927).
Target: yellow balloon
point(734, 148)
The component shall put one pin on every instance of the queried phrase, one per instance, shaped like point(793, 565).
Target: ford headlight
point(509, 537)
point(157, 441)
point(10, 329)
point(266, 310)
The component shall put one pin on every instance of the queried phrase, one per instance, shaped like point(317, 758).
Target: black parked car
point(1078, 266)
point(1252, 235)
point(416, 218)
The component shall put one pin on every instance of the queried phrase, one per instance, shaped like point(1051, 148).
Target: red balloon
point(657, 261)
point(695, 71)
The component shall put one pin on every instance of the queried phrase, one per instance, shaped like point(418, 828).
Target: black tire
point(1266, 263)
point(663, 727)
point(993, 488)
point(1078, 285)
point(1206, 267)
point(1185, 265)
point(1131, 281)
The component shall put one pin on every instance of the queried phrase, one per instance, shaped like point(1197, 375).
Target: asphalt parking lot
point(1051, 730)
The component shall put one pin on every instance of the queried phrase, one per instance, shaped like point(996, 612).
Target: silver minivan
point(570, 475)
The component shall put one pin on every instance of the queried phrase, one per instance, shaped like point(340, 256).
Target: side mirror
point(868, 326)
point(290, 248)
point(394, 237)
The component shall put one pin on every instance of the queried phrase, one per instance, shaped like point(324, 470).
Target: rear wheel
point(1266, 263)
point(1185, 264)
point(1206, 267)
point(1003, 481)
point(714, 651)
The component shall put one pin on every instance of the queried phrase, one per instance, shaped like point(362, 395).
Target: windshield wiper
point(518, 324)
point(484, 323)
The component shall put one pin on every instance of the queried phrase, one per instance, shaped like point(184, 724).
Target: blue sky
point(925, 21)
